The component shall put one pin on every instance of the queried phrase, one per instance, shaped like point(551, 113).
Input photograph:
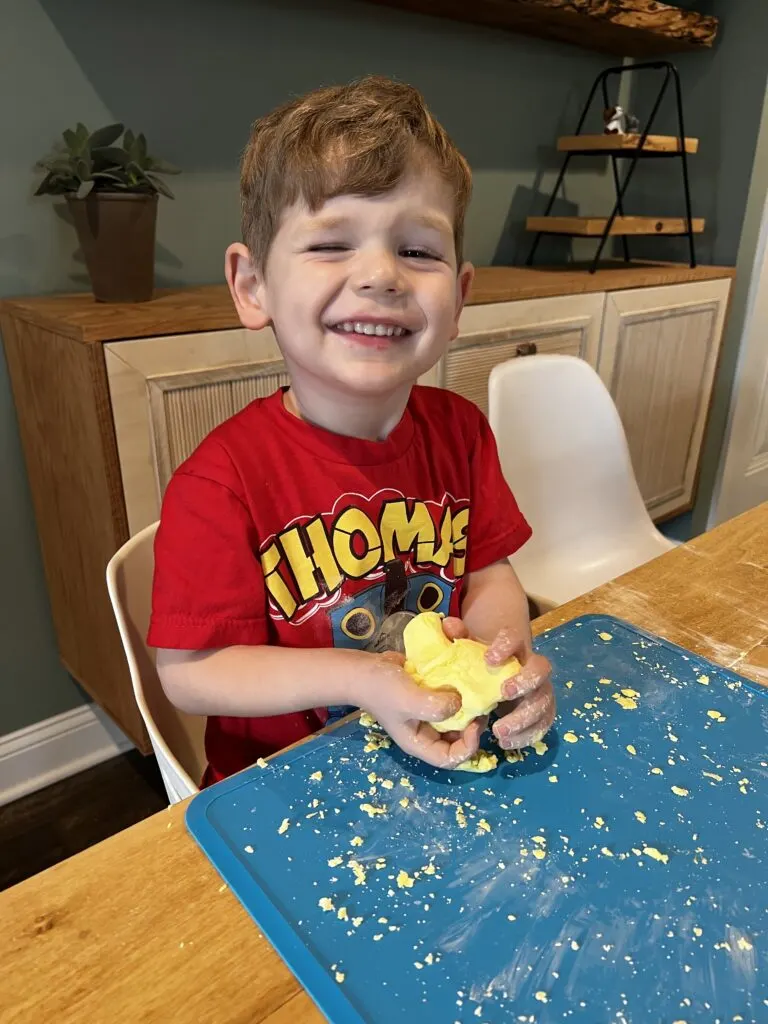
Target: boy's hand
point(405, 711)
point(529, 709)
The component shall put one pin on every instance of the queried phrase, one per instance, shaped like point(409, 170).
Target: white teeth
point(379, 330)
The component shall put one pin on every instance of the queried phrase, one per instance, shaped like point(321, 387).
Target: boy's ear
point(464, 280)
point(246, 286)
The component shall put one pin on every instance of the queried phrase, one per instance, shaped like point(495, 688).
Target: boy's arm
point(263, 681)
point(495, 609)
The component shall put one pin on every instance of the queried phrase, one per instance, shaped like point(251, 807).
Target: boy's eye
point(328, 247)
point(415, 252)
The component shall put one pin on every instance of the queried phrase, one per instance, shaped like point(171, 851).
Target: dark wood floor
point(48, 826)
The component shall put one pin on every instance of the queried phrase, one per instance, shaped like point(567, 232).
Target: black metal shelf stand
point(633, 155)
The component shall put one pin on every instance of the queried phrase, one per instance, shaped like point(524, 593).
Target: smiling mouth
point(372, 329)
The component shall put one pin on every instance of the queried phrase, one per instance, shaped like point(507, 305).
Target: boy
point(302, 533)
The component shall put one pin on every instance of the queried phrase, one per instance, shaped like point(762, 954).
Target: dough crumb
point(511, 917)
point(368, 721)
point(654, 854)
point(316, 776)
point(569, 684)
point(574, 945)
point(743, 943)
point(712, 775)
point(461, 818)
point(429, 958)
point(538, 853)
point(679, 791)
point(376, 741)
point(387, 784)
point(261, 763)
point(356, 922)
point(248, 849)
point(542, 996)
point(628, 703)
point(641, 817)
point(429, 869)
point(356, 841)
point(570, 737)
point(342, 914)
point(371, 810)
point(656, 771)
point(599, 822)
point(540, 747)
point(631, 749)
point(698, 932)
point(404, 880)
point(606, 852)
point(285, 825)
point(325, 903)
point(605, 682)
point(553, 778)
point(339, 976)
point(716, 715)
point(704, 680)
point(483, 826)
point(517, 801)
point(358, 871)
point(335, 862)
point(482, 761)
point(605, 636)
point(406, 783)
point(404, 802)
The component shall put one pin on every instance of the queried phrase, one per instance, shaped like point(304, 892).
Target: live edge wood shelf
point(627, 28)
point(111, 398)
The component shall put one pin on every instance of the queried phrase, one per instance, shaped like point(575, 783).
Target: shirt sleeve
point(208, 588)
point(497, 527)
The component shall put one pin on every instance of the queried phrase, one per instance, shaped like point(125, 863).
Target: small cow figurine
point(618, 122)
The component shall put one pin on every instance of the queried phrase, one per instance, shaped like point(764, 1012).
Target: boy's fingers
point(428, 705)
point(454, 628)
point(529, 721)
point(536, 672)
point(431, 746)
point(507, 644)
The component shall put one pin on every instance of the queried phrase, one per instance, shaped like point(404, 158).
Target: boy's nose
point(378, 273)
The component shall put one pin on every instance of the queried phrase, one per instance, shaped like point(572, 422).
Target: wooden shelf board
point(209, 307)
point(593, 227)
point(625, 145)
point(627, 28)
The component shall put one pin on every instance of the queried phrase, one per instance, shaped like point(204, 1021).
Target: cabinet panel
point(658, 358)
point(492, 334)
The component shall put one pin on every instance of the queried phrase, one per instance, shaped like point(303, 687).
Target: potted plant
point(111, 184)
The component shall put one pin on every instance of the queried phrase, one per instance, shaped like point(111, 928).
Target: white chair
point(177, 738)
point(564, 453)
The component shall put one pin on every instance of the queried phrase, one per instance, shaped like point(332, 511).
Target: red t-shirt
point(278, 532)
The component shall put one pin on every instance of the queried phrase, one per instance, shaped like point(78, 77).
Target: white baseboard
point(56, 748)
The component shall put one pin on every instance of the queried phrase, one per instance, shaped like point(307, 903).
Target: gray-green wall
point(193, 74)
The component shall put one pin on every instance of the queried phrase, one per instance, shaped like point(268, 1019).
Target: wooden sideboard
point(111, 398)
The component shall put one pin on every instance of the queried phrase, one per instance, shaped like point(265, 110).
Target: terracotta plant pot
point(117, 235)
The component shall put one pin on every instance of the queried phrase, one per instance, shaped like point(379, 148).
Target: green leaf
point(109, 156)
point(105, 136)
point(128, 140)
point(72, 141)
point(141, 144)
point(160, 186)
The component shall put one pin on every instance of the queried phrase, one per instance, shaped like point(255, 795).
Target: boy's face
point(363, 294)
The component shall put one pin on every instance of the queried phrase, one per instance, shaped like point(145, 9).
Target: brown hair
point(355, 139)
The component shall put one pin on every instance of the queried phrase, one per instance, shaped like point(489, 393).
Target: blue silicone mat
point(619, 876)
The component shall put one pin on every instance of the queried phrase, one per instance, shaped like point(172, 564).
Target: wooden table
point(140, 928)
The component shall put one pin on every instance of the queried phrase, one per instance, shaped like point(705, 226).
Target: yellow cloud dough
point(438, 663)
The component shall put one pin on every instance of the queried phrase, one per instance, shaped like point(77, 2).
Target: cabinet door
point(658, 357)
point(169, 392)
point(491, 334)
